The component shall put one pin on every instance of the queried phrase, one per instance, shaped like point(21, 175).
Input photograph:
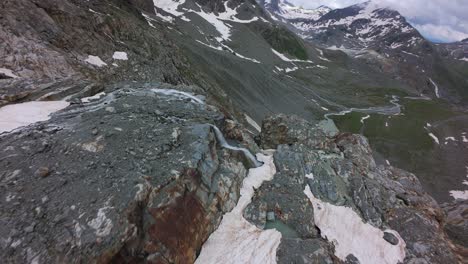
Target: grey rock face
point(147, 181)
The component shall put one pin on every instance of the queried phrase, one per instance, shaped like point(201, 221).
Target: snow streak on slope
point(350, 235)
point(236, 240)
point(436, 88)
point(19, 115)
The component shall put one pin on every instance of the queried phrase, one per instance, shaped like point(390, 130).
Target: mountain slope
point(136, 169)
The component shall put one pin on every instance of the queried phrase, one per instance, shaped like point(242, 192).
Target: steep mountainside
point(128, 130)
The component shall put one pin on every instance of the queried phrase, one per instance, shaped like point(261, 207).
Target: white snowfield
point(120, 55)
point(236, 240)
point(19, 115)
point(8, 73)
point(350, 235)
point(96, 61)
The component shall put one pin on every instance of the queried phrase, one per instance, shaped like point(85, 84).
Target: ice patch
point(23, 114)
point(236, 240)
point(96, 61)
point(8, 73)
point(350, 235)
point(120, 55)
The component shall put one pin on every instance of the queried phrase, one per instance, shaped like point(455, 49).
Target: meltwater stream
point(219, 136)
point(222, 141)
point(394, 109)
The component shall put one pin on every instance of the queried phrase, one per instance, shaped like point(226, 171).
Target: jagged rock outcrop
point(340, 170)
point(136, 176)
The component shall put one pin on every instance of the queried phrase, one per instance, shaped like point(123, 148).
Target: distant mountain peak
point(285, 10)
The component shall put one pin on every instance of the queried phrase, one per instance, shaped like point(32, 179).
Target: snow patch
point(96, 61)
point(436, 139)
point(350, 235)
point(284, 58)
point(236, 240)
point(101, 223)
point(92, 98)
point(459, 195)
point(120, 55)
point(365, 118)
point(23, 114)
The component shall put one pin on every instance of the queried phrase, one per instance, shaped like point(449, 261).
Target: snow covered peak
point(286, 10)
point(359, 26)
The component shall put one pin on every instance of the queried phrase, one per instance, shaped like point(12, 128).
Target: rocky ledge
point(137, 175)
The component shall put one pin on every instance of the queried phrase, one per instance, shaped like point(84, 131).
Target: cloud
point(439, 20)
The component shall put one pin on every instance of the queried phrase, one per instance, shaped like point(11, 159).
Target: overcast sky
point(438, 20)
